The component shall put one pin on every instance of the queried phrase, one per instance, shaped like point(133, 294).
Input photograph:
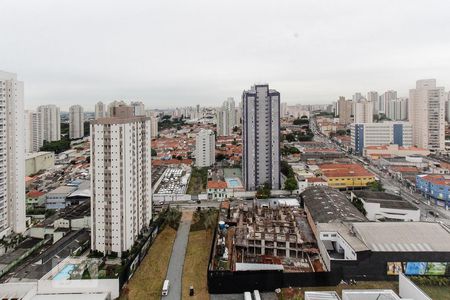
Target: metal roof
point(326, 204)
point(403, 236)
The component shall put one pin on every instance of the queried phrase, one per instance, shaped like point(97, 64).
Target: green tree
point(173, 217)
point(301, 121)
point(153, 151)
point(376, 186)
point(263, 192)
point(290, 184)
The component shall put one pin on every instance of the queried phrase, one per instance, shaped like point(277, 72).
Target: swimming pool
point(233, 183)
point(64, 274)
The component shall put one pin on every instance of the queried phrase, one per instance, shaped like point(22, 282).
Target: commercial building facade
point(261, 137)
point(380, 206)
point(37, 161)
point(377, 134)
point(435, 186)
point(392, 150)
point(121, 205)
point(344, 176)
point(12, 152)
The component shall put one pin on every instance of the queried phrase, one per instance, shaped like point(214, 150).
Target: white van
point(256, 295)
point(165, 289)
point(247, 296)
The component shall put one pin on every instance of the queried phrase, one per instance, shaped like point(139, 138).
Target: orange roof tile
point(344, 170)
point(217, 184)
point(35, 194)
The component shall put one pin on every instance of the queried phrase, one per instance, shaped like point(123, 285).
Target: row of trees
point(290, 184)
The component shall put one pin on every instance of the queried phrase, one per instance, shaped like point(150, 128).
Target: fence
point(231, 282)
point(135, 260)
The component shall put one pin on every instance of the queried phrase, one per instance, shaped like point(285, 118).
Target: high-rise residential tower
point(372, 97)
point(33, 131)
point(12, 152)
point(139, 108)
point(51, 122)
point(261, 137)
point(100, 110)
point(398, 109)
point(385, 100)
point(226, 118)
point(121, 205)
point(154, 125)
point(344, 110)
point(76, 122)
point(363, 112)
point(205, 148)
point(426, 109)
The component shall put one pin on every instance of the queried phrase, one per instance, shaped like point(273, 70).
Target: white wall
point(80, 286)
point(408, 290)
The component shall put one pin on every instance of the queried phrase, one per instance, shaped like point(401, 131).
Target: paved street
point(175, 271)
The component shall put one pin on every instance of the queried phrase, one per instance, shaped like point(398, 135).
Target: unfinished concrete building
point(261, 237)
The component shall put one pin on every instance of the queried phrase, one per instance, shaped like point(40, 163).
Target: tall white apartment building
point(139, 108)
point(426, 111)
point(51, 122)
point(33, 131)
point(205, 148)
point(261, 137)
point(121, 205)
point(372, 97)
point(226, 118)
point(378, 134)
point(154, 126)
point(76, 122)
point(363, 112)
point(398, 109)
point(12, 155)
point(100, 110)
point(385, 99)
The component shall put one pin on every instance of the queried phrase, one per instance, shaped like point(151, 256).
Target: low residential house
point(313, 181)
point(217, 189)
point(35, 199)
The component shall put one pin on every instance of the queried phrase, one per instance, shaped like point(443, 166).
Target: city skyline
point(314, 52)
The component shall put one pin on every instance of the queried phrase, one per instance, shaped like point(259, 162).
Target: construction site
point(256, 237)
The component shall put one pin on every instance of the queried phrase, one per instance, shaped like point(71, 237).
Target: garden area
point(148, 279)
point(198, 181)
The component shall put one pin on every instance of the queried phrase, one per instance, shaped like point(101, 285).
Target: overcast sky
point(175, 53)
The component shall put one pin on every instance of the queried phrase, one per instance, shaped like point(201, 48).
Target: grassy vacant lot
point(149, 277)
point(437, 292)
point(298, 293)
point(196, 261)
point(197, 183)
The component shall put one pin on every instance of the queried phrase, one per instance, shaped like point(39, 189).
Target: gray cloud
point(174, 53)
